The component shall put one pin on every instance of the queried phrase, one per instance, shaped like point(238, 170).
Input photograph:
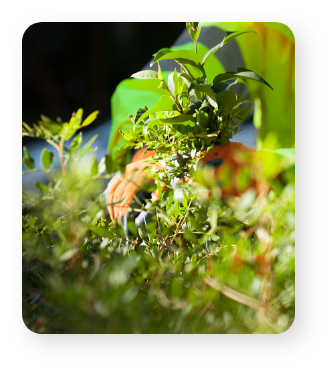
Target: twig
point(182, 221)
point(34, 170)
point(241, 298)
point(195, 43)
point(180, 158)
point(180, 109)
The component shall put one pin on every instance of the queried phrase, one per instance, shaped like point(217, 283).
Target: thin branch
point(241, 298)
point(195, 43)
point(34, 170)
point(181, 158)
point(180, 109)
point(183, 220)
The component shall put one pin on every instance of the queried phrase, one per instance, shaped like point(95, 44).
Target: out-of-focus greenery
point(203, 265)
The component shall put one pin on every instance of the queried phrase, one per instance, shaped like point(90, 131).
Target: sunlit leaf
point(176, 55)
point(165, 103)
point(145, 74)
point(228, 37)
point(90, 119)
point(85, 148)
point(158, 55)
point(241, 73)
point(194, 29)
point(76, 142)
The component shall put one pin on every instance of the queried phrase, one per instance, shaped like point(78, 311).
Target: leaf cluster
point(200, 264)
point(192, 114)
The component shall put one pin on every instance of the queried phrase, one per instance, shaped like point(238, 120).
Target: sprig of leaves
point(195, 112)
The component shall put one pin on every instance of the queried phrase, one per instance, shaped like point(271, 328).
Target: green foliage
point(202, 264)
point(193, 113)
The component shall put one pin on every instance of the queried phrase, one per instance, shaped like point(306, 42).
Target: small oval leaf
point(27, 160)
point(46, 159)
point(90, 119)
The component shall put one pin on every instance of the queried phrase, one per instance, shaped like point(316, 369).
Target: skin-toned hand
point(225, 165)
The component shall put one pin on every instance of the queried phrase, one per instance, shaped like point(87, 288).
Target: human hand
point(124, 190)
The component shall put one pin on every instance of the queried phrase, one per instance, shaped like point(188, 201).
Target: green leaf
point(162, 85)
point(188, 235)
point(228, 37)
point(27, 160)
point(165, 103)
point(185, 198)
point(178, 54)
point(152, 234)
point(194, 223)
point(76, 142)
point(46, 159)
point(209, 93)
point(170, 198)
point(93, 166)
point(50, 125)
point(188, 80)
point(101, 166)
point(215, 237)
point(90, 119)
point(227, 102)
point(213, 213)
point(26, 126)
point(68, 255)
point(159, 189)
point(158, 55)
point(101, 232)
point(181, 119)
point(174, 208)
point(75, 121)
point(126, 135)
point(138, 114)
point(108, 164)
point(241, 73)
point(223, 86)
point(195, 83)
point(173, 82)
point(232, 34)
point(41, 187)
point(191, 68)
point(159, 74)
point(193, 25)
point(203, 119)
point(146, 74)
point(194, 31)
point(149, 124)
point(230, 75)
point(85, 148)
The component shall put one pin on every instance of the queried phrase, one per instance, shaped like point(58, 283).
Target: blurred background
point(67, 66)
point(71, 65)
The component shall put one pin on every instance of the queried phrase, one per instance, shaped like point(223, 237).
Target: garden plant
point(198, 262)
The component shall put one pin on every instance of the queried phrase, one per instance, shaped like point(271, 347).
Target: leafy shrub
point(202, 264)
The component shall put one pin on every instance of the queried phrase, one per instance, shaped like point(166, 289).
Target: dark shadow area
point(71, 65)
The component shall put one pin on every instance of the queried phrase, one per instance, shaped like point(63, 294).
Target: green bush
point(201, 265)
